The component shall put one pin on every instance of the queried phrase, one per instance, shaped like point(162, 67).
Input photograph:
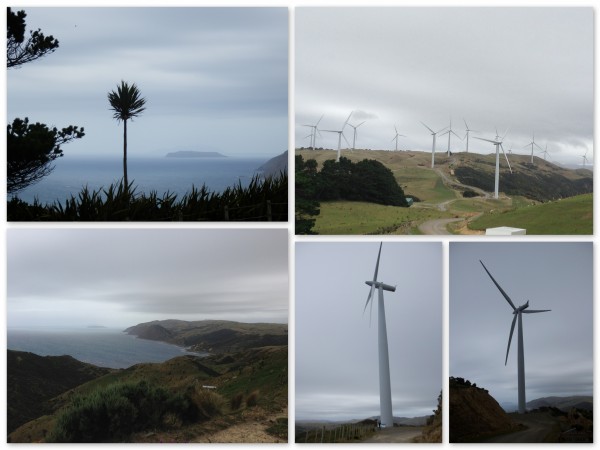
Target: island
point(194, 154)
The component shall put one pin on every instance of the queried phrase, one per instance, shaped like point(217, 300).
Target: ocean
point(160, 174)
point(105, 347)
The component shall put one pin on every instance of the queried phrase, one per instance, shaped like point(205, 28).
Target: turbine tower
point(517, 312)
point(467, 133)
point(385, 390)
point(340, 134)
point(532, 143)
point(434, 134)
point(449, 133)
point(313, 132)
point(545, 152)
point(397, 136)
point(498, 143)
point(585, 160)
point(354, 138)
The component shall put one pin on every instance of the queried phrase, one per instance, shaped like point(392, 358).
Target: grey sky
point(526, 69)
point(336, 349)
point(214, 78)
point(121, 277)
point(557, 344)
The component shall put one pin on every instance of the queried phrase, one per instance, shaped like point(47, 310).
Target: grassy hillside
point(441, 193)
point(200, 396)
point(212, 335)
point(33, 380)
point(569, 216)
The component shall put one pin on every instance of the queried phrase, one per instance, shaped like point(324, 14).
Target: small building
point(409, 201)
point(505, 231)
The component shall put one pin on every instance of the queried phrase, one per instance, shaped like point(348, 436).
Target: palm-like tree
point(127, 103)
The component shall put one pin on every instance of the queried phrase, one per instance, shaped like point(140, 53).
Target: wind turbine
point(340, 134)
point(397, 136)
point(545, 152)
point(585, 160)
point(517, 312)
point(313, 132)
point(498, 143)
point(355, 127)
point(532, 143)
point(385, 390)
point(449, 133)
point(467, 133)
point(434, 134)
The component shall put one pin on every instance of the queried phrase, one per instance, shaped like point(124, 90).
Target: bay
point(160, 174)
point(105, 347)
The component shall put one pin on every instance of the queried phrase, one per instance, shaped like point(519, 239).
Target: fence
point(344, 433)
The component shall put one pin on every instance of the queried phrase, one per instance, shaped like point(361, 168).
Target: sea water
point(160, 174)
point(103, 347)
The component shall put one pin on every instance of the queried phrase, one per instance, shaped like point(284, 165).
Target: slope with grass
point(180, 400)
point(569, 216)
point(443, 191)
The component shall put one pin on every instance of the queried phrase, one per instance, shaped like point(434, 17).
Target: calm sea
point(100, 346)
point(160, 174)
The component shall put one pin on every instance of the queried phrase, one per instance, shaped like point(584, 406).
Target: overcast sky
point(557, 344)
point(214, 78)
point(526, 69)
point(336, 348)
point(122, 277)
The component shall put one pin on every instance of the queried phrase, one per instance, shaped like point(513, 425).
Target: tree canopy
point(19, 50)
point(31, 148)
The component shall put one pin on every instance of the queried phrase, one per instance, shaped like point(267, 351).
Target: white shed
point(505, 231)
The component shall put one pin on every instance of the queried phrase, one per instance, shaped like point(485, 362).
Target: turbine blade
point(483, 139)
point(499, 288)
point(360, 124)
point(370, 313)
point(377, 265)
point(466, 126)
point(509, 168)
point(528, 311)
point(368, 298)
point(346, 122)
point(512, 328)
point(346, 140)
point(319, 119)
point(433, 132)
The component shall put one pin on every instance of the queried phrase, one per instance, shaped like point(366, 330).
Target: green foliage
point(307, 208)
point(113, 413)
point(208, 403)
point(368, 180)
point(236, 401)
point(262, 200)
point(20, 51)
point(31, 149)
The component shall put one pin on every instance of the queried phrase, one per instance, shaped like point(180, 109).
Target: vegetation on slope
point(433, 428)
point(32, 380)
point(569, 216)
point(263, 200)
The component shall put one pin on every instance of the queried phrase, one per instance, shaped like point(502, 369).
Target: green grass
point(368, 218)
point(569, 216)
point(423, 183)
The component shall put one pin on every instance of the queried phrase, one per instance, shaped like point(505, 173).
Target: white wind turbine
point(340, 134)
point(498, 143)
point(532, 143)
point(449, 133)
point(397, 136)
point(517, 312)
point(385, 390)
point(354, 137)
point(585, 160)
point(467, 133)
point(313, 132)
point(545, 152)
point(434, 134)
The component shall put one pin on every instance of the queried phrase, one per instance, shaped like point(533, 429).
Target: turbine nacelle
point(521, 308)
point(378, 284)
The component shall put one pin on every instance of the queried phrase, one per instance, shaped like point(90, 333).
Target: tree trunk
point(126, 184)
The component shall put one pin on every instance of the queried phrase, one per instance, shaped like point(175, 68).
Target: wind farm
point(456, 186)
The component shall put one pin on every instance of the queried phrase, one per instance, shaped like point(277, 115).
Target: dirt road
point(395, 434)
point(437, 226)
point(538, 427)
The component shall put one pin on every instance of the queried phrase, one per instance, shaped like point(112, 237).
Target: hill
point(185, 399)
point(460, 187)
point(215, 336)
point(33, 380)
point(583, 402)
point(274, 166)
point(474, 413)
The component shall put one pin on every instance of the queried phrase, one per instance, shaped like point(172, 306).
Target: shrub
point(252, 399)
point(112, 413)
point(208, 403)
point(236, 402)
